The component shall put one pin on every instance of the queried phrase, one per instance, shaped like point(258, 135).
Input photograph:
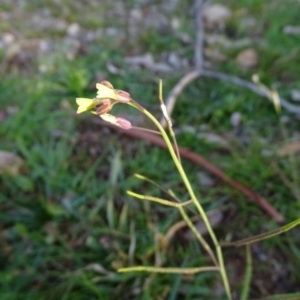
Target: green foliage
point(66, 228)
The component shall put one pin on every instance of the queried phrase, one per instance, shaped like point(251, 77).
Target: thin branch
point(198, 159)
point(250, 86)
point(199, 71)
point(199, 34)
point(189, 77)
point(176, 91)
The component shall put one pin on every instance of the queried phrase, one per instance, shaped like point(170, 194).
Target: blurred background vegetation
point(66, 222)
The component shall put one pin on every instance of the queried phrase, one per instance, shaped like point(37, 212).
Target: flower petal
point(109, 118)
point(107, 83)
point(120, 122)
point(84, 104)
point(105, 92)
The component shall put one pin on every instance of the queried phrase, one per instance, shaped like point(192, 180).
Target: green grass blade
point(168, 270)
point(248, 274)
point(264, 236)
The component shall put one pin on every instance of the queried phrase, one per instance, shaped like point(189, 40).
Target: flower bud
point(104, 107)
point(122, 96)
point(125, 124)
point(120, 122)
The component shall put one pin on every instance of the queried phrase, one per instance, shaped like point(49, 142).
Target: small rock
point(247, 58)
point(7, 39)
point(73, 29)
point(144, 60)
point(2, 116)
point(295, 95)
point(215, 218)
point(112, 31)
point(216, 14)
point(174, 60)
point(183, 37)
point(10, 163)
point(292, 147)
point(291, 29)
point(113, 69)
point(235, 119)
point(44, 46)
point(248, 23)
point(136, 15)
point(204, 179)
point(12, 110)
point(175, 23)
point(43, 68)
point(266, 153)
point(285, 119)
point(215, 55)
point(60, 25)
point(212, 138)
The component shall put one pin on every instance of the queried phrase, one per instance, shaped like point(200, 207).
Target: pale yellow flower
point(85, 104)
point(106, 98)
point(105, 92)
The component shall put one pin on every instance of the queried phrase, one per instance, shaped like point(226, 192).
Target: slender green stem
point(139, 176)
point(168, 270)
point(265, 235)
point(198, 235)
point(158, 200)
point(168, 120)
point(193, 197)
point(248, 274)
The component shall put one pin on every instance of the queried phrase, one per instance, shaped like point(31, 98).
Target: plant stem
point(158, 200)
point(192, 195)
point(198, 235)
point(168, 270)
point(248, 274)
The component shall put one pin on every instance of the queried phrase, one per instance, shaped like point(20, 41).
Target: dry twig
point(189, 77)
point(198, 159)
point(199, 4)
point(250, 86)
point(199, 71)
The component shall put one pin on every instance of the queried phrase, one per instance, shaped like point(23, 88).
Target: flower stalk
point(193, 197)
point(106, 98)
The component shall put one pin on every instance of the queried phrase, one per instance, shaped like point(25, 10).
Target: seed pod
point(122, 96)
